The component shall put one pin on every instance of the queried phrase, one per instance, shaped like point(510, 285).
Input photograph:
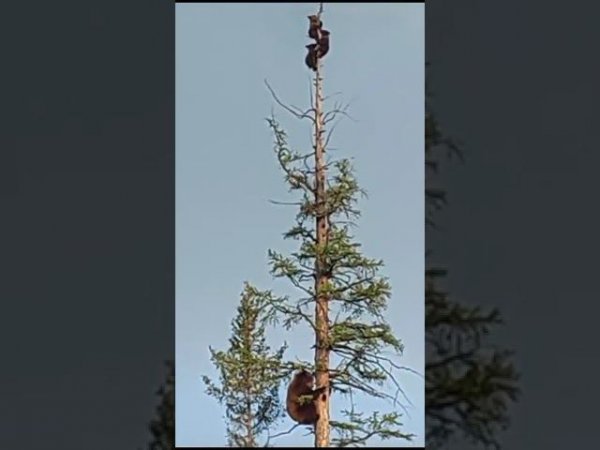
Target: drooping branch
point(296, 112)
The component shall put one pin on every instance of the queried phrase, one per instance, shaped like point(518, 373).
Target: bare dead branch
point(327, 97)
point(299, 115)
point(337, 109)
point(329, 133)
point(269, 437)
point(276, 202)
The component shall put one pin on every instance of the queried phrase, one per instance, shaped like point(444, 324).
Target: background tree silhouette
point(162, 426)
point(469, 382)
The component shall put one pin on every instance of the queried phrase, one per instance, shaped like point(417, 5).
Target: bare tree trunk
point(248, 422)
point(322, 301)
point(249, 417)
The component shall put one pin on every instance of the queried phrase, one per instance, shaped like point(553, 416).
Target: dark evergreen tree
point(469, 383)
point(162, 426)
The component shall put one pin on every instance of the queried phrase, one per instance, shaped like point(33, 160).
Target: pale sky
point(226, 173)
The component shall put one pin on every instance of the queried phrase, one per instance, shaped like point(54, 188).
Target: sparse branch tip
point(297, 112)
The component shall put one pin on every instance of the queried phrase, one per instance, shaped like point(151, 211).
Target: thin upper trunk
point(322, 302)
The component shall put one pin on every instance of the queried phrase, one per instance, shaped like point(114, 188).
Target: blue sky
point(226, 173)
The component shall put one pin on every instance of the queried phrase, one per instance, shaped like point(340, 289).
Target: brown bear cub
point(323, 43)
point(303, 412)
point(311, 56)
point(314, 27)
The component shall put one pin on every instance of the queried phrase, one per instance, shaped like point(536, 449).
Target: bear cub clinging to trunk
point(301, 385)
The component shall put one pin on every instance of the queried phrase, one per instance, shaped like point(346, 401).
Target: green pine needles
point(361, 343)
point(250, 373)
